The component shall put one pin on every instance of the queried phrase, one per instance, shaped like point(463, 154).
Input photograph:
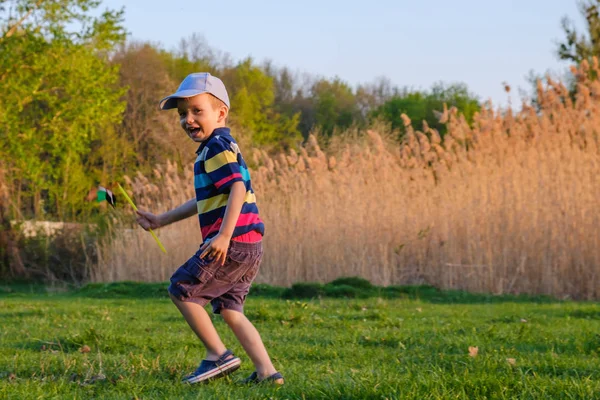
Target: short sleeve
point(221, 164)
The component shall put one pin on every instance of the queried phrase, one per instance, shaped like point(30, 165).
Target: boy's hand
point(216, 248)
point(148, 220)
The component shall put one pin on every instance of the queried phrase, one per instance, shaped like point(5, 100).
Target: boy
point(227, 262)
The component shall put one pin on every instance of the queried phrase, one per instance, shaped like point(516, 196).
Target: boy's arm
point(217, 247)
point(150, 221)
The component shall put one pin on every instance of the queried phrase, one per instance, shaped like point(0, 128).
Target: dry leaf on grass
point(473, 351)
point(85, 349)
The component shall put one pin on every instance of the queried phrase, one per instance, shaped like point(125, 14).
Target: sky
point(414, 43)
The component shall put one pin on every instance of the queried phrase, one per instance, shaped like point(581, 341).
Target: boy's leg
point(251, 342)
point(200, 322)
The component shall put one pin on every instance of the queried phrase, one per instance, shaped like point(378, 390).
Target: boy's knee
point(232, 316)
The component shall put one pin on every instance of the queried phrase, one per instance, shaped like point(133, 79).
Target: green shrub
point(124, 289)
point(343, 291)
point(264, 290)
point(353, 281)
point(304, 290)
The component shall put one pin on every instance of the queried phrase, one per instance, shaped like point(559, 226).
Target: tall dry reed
point(509, 205)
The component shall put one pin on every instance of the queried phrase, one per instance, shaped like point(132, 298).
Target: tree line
point(78, 102)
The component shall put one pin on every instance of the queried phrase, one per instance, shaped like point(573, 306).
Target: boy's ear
point(223, 113)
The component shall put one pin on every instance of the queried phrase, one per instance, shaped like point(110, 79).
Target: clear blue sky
point(412, 42)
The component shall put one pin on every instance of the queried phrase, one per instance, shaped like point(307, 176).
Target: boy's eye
point(181, 114)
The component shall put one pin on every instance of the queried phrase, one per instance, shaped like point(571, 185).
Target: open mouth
point(193, 132)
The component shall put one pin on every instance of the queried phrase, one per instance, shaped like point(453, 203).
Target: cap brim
point(170, 102)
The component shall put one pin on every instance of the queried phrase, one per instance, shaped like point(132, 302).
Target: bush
point(125, 289)
point(264, 290)
point(304, 290)
point(343, 291)
point(353, 281)
point(64, 256)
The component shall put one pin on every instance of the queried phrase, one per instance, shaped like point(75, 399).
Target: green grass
point(404, 342)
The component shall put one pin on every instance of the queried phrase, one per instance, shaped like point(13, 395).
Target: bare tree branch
point(13, 29)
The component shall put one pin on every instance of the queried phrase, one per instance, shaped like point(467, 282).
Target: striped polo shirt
point(219, 164)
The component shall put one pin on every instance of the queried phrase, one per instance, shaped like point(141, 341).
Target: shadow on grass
point(359, 288)
point(351, 287)
point(585, 314)
point(65, 344)
point(125, 289)
point(560, 372)
point(21, 314)
point(24, 289)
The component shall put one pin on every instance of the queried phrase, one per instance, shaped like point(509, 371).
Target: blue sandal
point(214, 369)
point(253, 379)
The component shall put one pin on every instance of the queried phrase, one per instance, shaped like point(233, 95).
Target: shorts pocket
point(199, 268)
point(240, 257)
point(236, 265)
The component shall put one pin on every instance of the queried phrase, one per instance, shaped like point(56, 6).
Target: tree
point(412, 104)
point(292, 96)
point(193, 55)
point(578, 47)
point(284, 88)
point(252, 102)
point(59, 98)
point(454, 95)
point(152, 135)
point(335, 106)
point(420, 106)
point(373, 95)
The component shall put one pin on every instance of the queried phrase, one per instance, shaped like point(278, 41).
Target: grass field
point(133, 344)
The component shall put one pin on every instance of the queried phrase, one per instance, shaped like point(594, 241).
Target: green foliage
point(265, 290)
point(414, 105)
point(335, 106)
point(578, 47)
point(346, 291)
point(123, 289)
point(76, 112)
point(352, 286)
point(304, 290)
point(421, 106)
point(59, 97)
point(353, 281)
point(252, 99)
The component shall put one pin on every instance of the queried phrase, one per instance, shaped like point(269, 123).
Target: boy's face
point(199, 117)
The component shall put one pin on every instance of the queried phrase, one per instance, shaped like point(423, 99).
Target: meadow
point(127, 341)
point(480, 233)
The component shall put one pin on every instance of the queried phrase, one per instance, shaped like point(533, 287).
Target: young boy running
point(228, 260)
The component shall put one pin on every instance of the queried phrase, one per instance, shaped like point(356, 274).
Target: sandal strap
point(253, 378)
point(224, 356)
point(274, 377)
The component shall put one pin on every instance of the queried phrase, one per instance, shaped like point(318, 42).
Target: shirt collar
point(217, 132)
